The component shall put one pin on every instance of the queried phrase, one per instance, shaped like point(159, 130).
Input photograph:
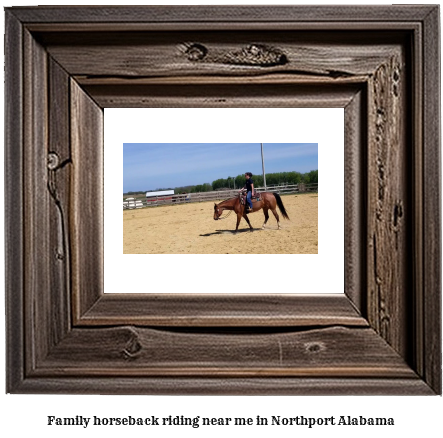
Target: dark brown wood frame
point(64, 65)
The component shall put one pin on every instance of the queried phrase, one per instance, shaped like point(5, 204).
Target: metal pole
point(263, 166)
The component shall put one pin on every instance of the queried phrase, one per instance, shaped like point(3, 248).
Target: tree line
point(239, 181)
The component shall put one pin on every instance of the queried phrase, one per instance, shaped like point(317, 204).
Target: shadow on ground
point(227, 232)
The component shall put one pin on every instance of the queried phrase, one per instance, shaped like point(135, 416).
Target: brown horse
point(269, 201)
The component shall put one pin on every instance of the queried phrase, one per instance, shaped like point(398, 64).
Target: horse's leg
point(247, 220)
point(238, 210)
point(239, 215)
point(274, 211)
point(265, 211)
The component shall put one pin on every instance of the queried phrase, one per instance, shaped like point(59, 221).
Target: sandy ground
point(191, 229)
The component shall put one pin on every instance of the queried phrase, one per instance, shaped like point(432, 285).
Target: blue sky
point(149, 166)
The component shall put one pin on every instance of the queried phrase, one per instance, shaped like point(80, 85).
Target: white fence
point(214, 196)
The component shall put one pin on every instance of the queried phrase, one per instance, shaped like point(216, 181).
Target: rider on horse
point(249, 186)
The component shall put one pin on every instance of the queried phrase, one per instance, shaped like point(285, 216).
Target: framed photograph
point(65, 65)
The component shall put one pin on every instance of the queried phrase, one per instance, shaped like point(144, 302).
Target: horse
point(268, 201)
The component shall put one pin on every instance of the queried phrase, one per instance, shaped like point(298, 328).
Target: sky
point(150, 166)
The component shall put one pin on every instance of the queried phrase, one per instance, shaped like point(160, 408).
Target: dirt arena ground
point(191, 229)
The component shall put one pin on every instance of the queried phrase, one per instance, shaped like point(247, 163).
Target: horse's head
point(217, 211)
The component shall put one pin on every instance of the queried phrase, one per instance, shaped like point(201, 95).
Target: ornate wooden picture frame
point(64, 65)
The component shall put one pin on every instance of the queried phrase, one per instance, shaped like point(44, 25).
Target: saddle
point(254, 198)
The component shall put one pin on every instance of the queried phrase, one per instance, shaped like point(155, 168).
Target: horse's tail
point(280, 205)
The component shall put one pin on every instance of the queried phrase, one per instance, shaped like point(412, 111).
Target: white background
point(299, 273)
point(26, 414)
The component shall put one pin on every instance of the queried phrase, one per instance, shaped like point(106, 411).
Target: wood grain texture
point(14, 238)
point(388, 204)
point(431, 321)
point(288, 386)
point(226, 96)
point(355, 195)
point(37, 306)
point(160, 54)
point(241, 310)
point(86, 208)
point(74, 61)
point(417, 357)
point(59, 166)
point(225, 14)
point(129, 351)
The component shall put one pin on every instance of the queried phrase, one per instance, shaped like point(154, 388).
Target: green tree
point(218, 184)
point(311, 177)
